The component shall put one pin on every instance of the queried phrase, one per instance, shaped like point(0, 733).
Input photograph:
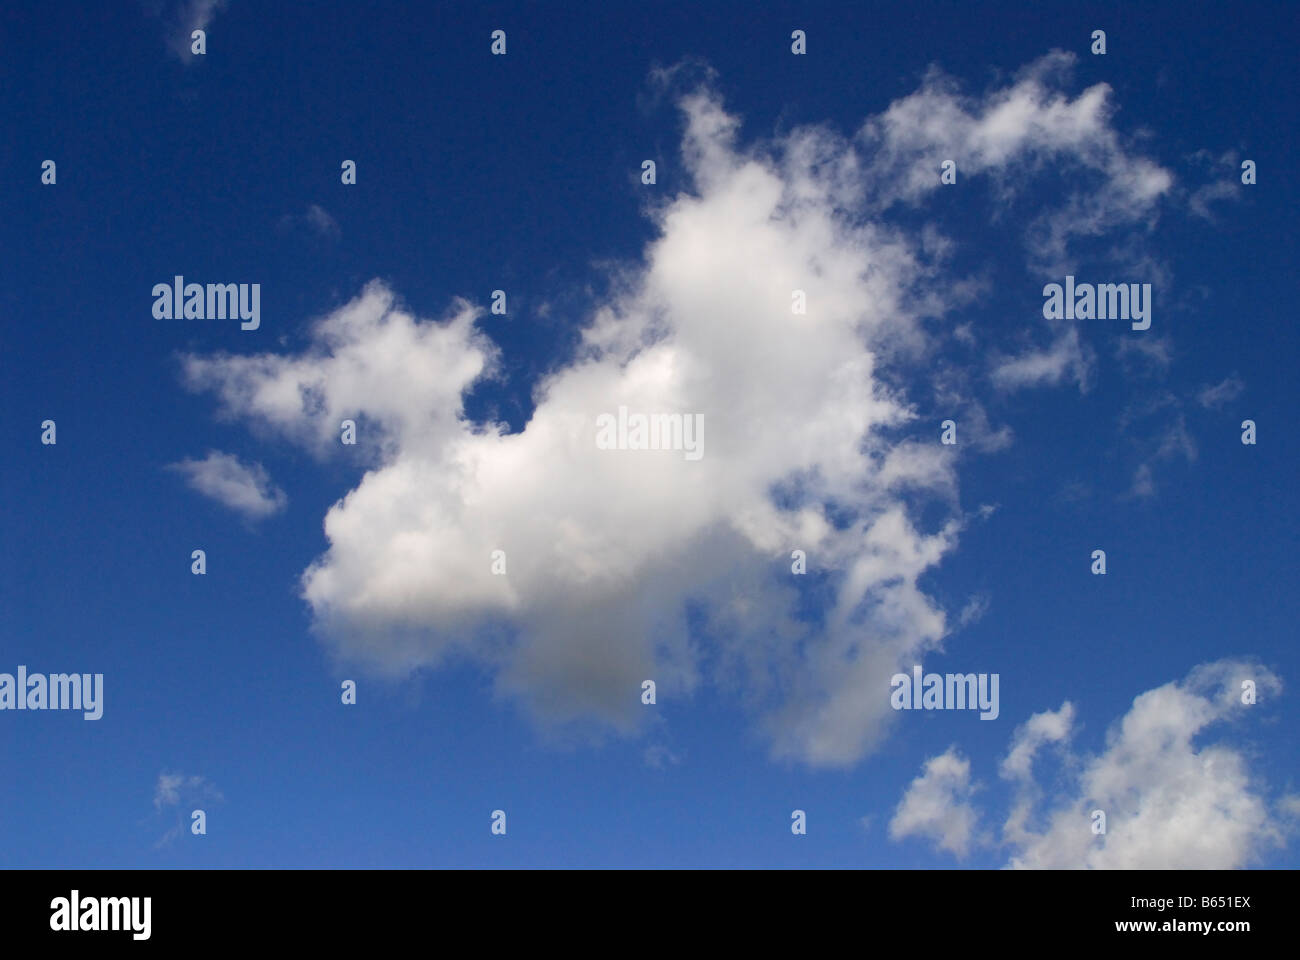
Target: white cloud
point(1012, 134)
point(1214, 396)
point(1041, 728)
point(1200, 200)
point(1064, 358)
point(1155, 352)
point(1177, 440)
point(1169, 803)
point(1144, 484)
point(167, 791)
point(1165, 438)
point(315, 219)
point(244, 488)
point(1170, 800)
point(606, 548)
point(184, 792)
point(659, 757)
point(936, 806)
point(172, 788)
point(974, 610)
point(321, 221)
point(1227, 168)
point(181, 18)
point(1173, 441)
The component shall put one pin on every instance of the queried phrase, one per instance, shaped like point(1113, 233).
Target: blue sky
point(522, 693)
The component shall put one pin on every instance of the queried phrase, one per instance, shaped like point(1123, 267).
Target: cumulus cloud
point(936, 805)
point(1169, 803)
point(244, 488)
point(606, 551)
point(1171, 800)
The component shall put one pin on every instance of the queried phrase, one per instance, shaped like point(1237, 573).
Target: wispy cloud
point(1214, 396)
point(322, 221)
point(181, 18)
point(1066, 358)
point(1173, 442)
point(183, 792)
point(245, 488)
point(1228, 168)
point(659, 757)
point(1164, 437)
point(1156, 353)
point(974, 610)
point(315, 219)
point(171, 788)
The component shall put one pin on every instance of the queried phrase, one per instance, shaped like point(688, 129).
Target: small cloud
point(320, 219)
point(975, 608)
point(1066, 359)
point(315, 219)
point(246, 489)
point(181, 19)
point(172, 787)
point(184, 792)
point(936, 806)
point(1074, 491)
point(1147, 407)
point(657, 757)
point(980, 434)
point(1156, 352)
point(1227, 169)
point(1172, 441)
point(1177, 440)
point(1143, 484)
point(1200, 200)
point(1050, 726)
point(1214, 396)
